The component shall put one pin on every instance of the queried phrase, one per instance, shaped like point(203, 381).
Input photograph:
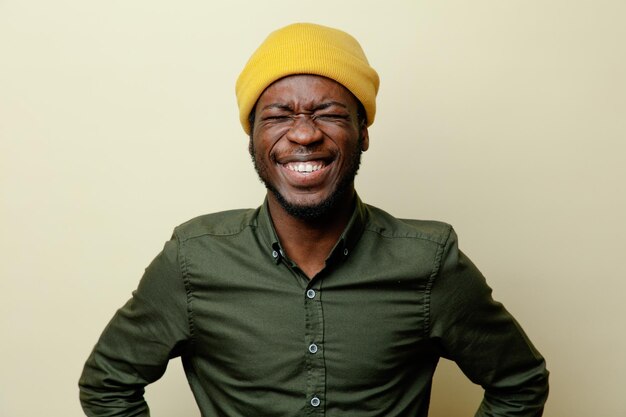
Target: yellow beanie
point(305, 48)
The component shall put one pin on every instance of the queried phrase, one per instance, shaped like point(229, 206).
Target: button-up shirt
point(362, 338)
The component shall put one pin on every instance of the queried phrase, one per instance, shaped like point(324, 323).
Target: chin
point(309, 208)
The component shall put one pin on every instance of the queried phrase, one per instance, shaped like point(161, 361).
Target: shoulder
point(386, 225)
point(224, 223)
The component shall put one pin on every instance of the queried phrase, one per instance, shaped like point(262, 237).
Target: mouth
point(307, 167)
point(306, 164)
point(306, 171)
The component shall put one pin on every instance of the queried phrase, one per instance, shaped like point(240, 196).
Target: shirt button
point(315, 402)
point(345, 251)
point(310, 293)
point(313, 348)
point(275, 254)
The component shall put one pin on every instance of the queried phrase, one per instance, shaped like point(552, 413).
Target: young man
point(315, 303)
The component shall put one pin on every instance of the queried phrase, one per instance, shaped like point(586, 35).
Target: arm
point(135, 347)
point(485, 341)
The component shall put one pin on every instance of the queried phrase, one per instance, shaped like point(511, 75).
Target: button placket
point(315, 366)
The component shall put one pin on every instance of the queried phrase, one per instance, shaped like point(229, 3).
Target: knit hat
point(305, 48)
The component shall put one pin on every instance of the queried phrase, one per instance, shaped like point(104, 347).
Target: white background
point(506, 118)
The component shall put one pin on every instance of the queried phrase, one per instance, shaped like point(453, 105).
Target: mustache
point(317, 151)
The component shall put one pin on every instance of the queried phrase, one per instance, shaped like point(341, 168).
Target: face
point(306, 144)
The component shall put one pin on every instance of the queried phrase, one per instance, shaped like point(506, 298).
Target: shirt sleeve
point(485, 341)
point(135, 347)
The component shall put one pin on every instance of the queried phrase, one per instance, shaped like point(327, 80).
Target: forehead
point(306, 90)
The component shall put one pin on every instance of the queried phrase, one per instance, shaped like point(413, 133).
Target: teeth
point(305, 167)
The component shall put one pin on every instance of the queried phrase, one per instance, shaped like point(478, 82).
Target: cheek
point(266, 140)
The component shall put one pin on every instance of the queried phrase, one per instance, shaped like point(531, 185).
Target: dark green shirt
point(362, 338)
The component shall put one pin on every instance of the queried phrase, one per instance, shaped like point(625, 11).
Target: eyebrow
point(321, 106)
point(278, 106)
point(328, 104)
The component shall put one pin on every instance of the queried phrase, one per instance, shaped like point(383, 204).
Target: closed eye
point(279, 118)
point(331, 116)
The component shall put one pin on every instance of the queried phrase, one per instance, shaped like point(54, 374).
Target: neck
point(308, 242)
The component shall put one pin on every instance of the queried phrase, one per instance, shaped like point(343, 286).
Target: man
point(314, 303)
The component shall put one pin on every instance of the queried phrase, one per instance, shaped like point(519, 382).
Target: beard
point(312, 212)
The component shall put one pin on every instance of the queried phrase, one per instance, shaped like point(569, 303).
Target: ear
point(365, 143)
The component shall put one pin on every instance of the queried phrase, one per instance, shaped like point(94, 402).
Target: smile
point(304, 167)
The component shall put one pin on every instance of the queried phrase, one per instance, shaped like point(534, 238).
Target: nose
point(304, 131)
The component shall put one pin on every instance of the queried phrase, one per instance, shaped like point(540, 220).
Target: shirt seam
point(437, 266)
point(420, 237)
point(183, 265)
point(216, 234)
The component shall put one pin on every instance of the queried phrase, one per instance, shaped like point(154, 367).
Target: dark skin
point(305, 137)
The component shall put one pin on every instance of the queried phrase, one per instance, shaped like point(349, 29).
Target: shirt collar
point(342, 249)
point(267, 233)
point(351, 234)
